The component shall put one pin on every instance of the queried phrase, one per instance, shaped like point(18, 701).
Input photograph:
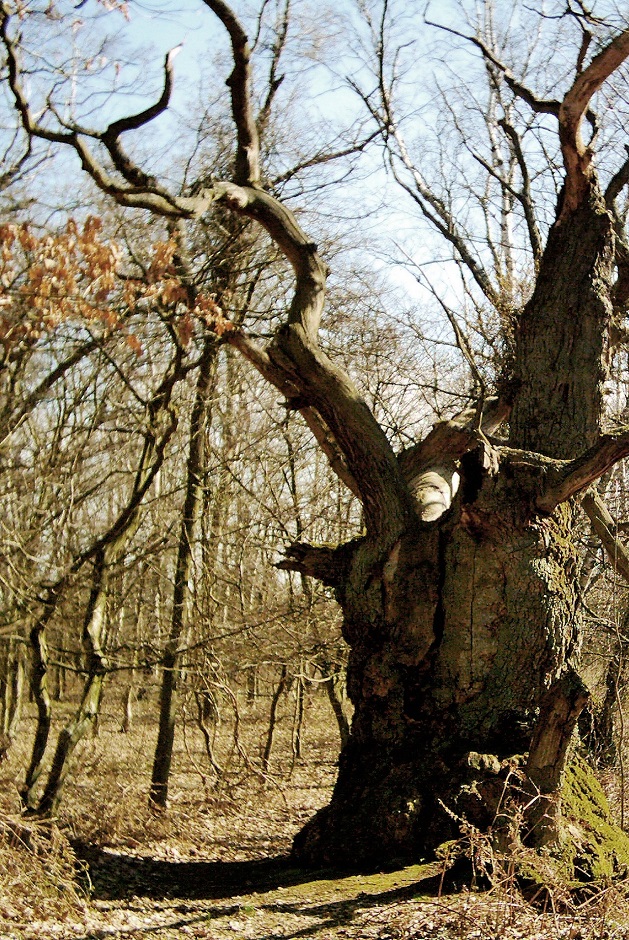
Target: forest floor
point(216, 864)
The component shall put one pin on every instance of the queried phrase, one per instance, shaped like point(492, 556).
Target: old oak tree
point(461, 615)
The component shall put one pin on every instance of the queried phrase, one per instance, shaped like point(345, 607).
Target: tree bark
point(563, 337)
point(455, 639)
point(279, 690)
point(193, 503)
point(41, 696)
point(465, 636)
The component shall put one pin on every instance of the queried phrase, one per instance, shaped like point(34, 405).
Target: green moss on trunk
point(593, 846)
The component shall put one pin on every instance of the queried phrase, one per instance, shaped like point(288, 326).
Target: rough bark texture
point(464, 637)
point(562, 339)
point(454, 639)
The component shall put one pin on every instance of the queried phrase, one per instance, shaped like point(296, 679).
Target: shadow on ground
point(115, 876)
point(267, 899)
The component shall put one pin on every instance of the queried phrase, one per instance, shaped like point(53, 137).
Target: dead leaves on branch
point(77, 275)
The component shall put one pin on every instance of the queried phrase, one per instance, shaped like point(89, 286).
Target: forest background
point(150, 477)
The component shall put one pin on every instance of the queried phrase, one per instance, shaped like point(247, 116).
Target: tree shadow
point(116, 876)
point(119, 877)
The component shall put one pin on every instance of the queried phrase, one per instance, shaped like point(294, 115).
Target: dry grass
point(38, 873)
point(240, 815)
point(500, 914)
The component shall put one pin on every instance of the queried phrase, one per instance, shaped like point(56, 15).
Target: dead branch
point(577, 156)
point(605, 527)
point(450, 440)
point(566, 478)
point(327, 564)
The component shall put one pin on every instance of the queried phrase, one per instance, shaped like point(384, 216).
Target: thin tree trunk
point(58, 673)
point(207, 713)
point(335, 699)
point(41, 697)
point(75, 730)
point(298, 720)
point(11, 686)
point(193, 503)
point(106, 554)
point(251, 675)
point(279, 690)
point(17, 691)
point(131, 689)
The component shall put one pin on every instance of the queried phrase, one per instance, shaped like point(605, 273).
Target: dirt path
point(137, 897)
point(263, 899)
point(142, 897)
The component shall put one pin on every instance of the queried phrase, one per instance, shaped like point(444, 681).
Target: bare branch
point(524, 196)
point(155, 199)
point(259, 358)
point(25, 405)
point(339, 418)
point(261, 361)
point(463, 344)
point(109, 137)
point(585, 45)
point(605, 528)
point(247, 170)
point(576, 155)
point(432, 207)
point(324, 157)
point(145, 196)
point(29, 123)
point(295, 360)
point(618, 182)
point(135, 121)
point(12, 172)
point(330, 448)
point(275, 79)
point(539, 105)
point(569, 477)
point(437, 213)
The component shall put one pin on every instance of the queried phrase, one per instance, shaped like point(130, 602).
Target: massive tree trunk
point(454, 638)
point(465, 633)
point(465, 636)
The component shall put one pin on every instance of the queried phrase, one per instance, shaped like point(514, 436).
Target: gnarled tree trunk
point(465, 632)
point(454, 638)
point(464, 635)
